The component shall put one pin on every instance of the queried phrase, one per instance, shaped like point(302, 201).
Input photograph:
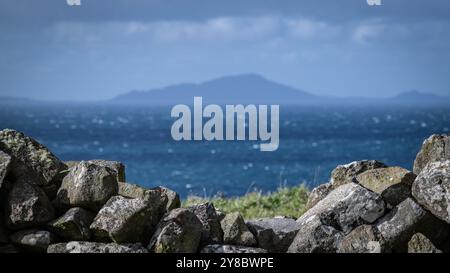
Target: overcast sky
point(49, 50)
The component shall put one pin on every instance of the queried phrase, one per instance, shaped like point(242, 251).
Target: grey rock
point(434, 148)
point(117, 167)
point(124, 220)
point(274, 234)
point(231, 249)
point(33, 240)
point(363, 239)
point(235, 231)
point(73, 225)
point(419, 243)
point(90, 247)
point(318, 193)
point(212, 232)
point(5, 161)
point(179, 231)
point(392, 183)
point(31, 161)
point(27, 206)
point(431, 189)
point(88, 186)
point(172, 199)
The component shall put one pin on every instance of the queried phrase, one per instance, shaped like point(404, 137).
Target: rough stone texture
point(117, 167)
point(27, 206)
point(392, 183)
point(419, 243)
point(5, 161)
point(431, 189)
point(30, 160)
point(212, 232)
point(179, 231)
point(124, 220)
point(231, 249)
point(235, 231)
point(341, 175)
point(87, 185)
point(274, 234)
point(434, 148)
point(408, 218)
point(363, 239)
point(172, 199)
point(73, 225)
point(90, 247)
point(33, 240)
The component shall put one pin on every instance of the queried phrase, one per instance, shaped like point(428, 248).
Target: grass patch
point(286, 201)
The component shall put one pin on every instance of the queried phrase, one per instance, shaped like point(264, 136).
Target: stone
point(231, 249)
point(117, 167)
point(172, 199)
point(73, 225)
point(431, 189)
point(341, 175)
point(235, 231)
point(124, 220)
point(27, 206)
point(212, 232)
point(91, 247)
point(408, 218)
point(392, 183)
point(179, 231)
point(363, 239)
point(87, 185)
point(419, 243)
point(274, 234)
point(5, 161)
point(31, 161)
point(434, 148)
point(33, 240)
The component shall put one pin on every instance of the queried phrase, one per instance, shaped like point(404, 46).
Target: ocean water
point(313, 141)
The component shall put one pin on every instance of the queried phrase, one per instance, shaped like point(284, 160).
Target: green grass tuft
point(286, 201)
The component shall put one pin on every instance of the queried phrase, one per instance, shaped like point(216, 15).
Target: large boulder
point(5, 161)
point(31, 161)
point(235, 231)
point(434, 148)
point(87, 185)
point(419, 243)
point(274, 234)
point(179, 231)
point(363, 239)
point(27, 206)
point(90, 247)
point(231, 249)
point(212, 232)
point(408, 218)
point(323, 226)
point(117, 167)
point(124, 220)
point(392, 183)
point(341, 175)
point(73, 225)
point(33, 240)
point(431, 189)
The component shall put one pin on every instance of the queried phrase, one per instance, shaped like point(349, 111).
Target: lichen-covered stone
point(124, 220)
point(231, 249)
point(87, 185)
point(179, 231)
point(172, 199)
point(212, 232)
point(434, 148)
point(419, 243)
point(31, 161)
point(5, 161)
point(363, 239)
point(33, 240)
point(318, 193)
point(73, 225)
point(27, 206)
point(117, 167)
point(91, 247)
point(392, 183)
point(235, 231)
point(431, 189)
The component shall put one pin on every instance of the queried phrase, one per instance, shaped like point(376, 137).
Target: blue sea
point(313, 140)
